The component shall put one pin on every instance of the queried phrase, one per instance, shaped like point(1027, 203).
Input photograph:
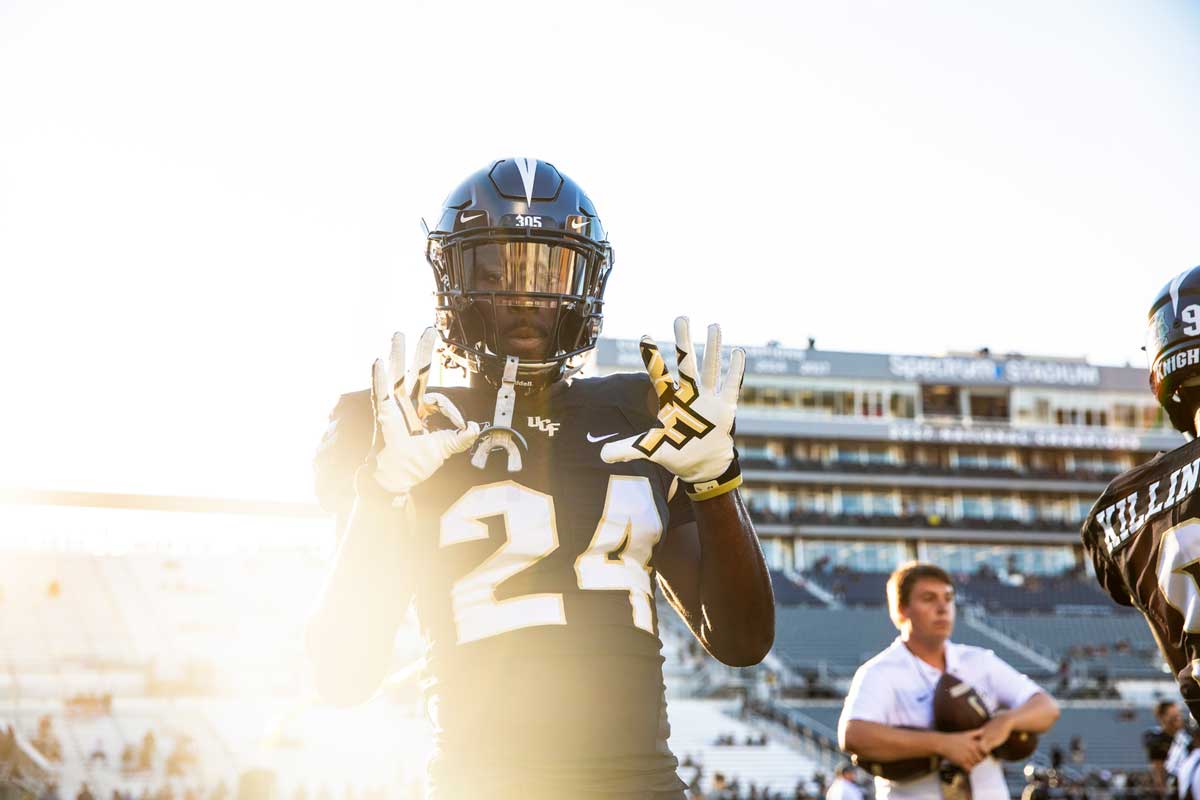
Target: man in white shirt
point(843, 786)
point(893, 692)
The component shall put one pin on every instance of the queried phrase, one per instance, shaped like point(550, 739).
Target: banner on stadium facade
point(980, 370)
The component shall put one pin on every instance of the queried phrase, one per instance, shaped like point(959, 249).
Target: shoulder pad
point(629, 391)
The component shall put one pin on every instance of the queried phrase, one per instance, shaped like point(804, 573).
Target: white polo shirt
point(1188, 776)
point(896, 688)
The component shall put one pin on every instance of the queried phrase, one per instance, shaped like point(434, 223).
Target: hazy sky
point(209, 211)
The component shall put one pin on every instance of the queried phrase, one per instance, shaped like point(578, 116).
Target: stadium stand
point(1034, 593)
point(841, 639)
point(851, 587)
point(799, 517)
point(1116, 642)
point(110, 649)
point(695, 728)
point(1111, 734)
point(790, 593)
point(838, 465)
point(836, 639)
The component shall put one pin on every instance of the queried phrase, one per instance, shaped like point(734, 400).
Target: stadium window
point(756, 449)
point(971, 459)
point(871, 403)
point(940, 401)
point(902, 405)
point(1079, 509)
point(975, 507)
point(825, 402)
point(987, 406)
point(1043, 560)
point(1004, 508)
point(879, 456)
point(1054, 510)
point(1124, 416)
point(852, 503)
point(859, 556)
point(843, 404)
point(884, 504)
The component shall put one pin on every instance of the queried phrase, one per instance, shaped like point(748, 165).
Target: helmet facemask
point(492, 281)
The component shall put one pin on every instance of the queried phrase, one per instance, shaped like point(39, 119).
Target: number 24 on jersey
point(630, 525)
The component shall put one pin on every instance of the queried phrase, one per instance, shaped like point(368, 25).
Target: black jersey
point(1143, 535)
point(535, 595)
point(1157, 743)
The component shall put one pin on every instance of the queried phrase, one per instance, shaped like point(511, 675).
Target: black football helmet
point(1173, 346)
point(518, 233)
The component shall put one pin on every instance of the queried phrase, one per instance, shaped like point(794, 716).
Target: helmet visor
point(519, 272)
point(1158, 334)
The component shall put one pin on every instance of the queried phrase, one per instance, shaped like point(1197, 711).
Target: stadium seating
point(841, 639)
point(880, 467)
point(790, 593)
point(1035, 593)
point(800, 517)
point(695, 724)
point(837, 639)
point(1111, 734)
point(851, 587)
point(129, 626)
point(1118, 643)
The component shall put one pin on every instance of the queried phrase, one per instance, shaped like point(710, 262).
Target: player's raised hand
point(695, 440)
point(410, 453)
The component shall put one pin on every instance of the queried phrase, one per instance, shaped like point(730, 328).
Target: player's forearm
point(738, 607)
point(1036, 715)
point(349, 636)
point(875, 741)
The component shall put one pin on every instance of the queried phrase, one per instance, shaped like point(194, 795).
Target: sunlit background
point(209, 227)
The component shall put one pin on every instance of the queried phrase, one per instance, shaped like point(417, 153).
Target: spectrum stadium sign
point(961, 370)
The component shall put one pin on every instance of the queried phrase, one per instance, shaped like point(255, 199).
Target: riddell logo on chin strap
point(544, 425)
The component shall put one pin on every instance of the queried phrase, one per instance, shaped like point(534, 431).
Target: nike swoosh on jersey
point(594, 439)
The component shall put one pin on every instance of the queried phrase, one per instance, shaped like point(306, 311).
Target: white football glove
point(410, 453)
point(695, 441)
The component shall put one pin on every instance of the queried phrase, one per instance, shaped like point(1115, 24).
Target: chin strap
point(501, 435)
point(571, 371)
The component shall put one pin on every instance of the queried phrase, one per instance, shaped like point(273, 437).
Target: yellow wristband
point(710, 489)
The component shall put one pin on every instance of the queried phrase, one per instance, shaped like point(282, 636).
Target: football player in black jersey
point(1143, 534)
point(1159, 739)
point(533, 569)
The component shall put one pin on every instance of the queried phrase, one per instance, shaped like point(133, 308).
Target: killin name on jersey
point(1124, 518)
